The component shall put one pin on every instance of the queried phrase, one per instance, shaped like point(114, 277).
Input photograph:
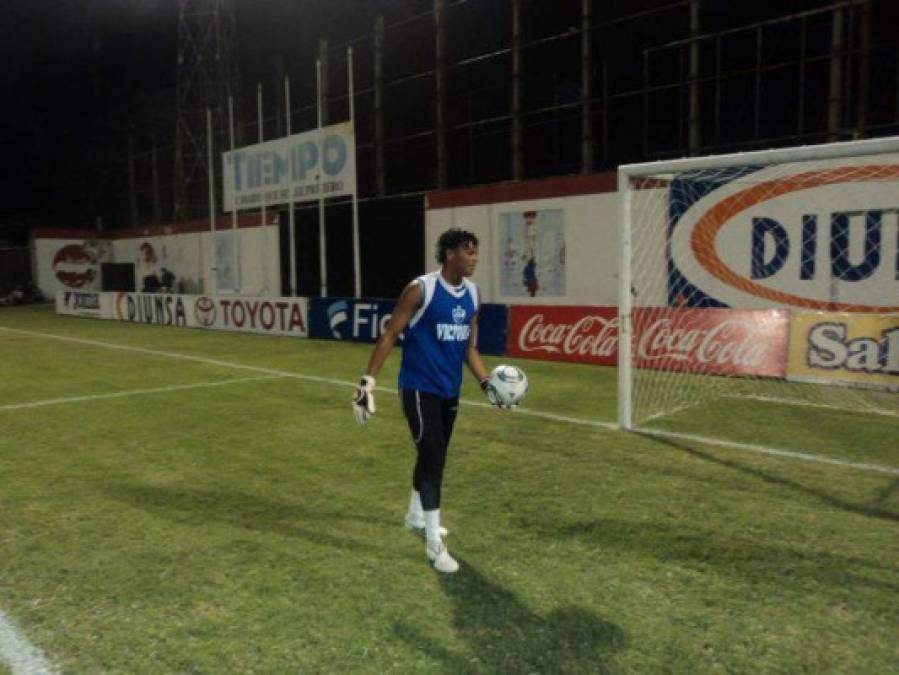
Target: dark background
point(81, 78)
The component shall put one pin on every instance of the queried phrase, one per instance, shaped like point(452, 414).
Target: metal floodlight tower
point(207, 76)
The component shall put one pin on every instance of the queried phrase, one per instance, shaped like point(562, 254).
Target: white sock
point(415, 509)
point(432, 525)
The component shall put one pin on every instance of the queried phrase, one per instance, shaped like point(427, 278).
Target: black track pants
point(431, 420)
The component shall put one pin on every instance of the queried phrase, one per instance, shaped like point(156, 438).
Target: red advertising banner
point(554, 333)
point(712, 340)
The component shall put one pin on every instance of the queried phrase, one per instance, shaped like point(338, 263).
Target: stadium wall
point(814, 235)
point(567, 226)
point(72, 259)
point(849, 349)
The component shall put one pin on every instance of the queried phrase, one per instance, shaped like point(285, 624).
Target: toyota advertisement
point(269, 316)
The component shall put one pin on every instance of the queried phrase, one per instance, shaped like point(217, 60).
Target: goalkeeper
point(437, 313)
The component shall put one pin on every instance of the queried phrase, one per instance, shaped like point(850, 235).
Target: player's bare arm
point(409, 302)
point(364, 396)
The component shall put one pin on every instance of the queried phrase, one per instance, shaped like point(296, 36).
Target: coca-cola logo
point(729, 342)
point(589, 335)
point(75, 266)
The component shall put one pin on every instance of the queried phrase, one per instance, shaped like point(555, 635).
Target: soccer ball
point(507, 386)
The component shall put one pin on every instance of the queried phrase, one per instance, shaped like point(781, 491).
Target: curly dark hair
point(453, 239)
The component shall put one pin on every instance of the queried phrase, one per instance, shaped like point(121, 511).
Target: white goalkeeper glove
point(364, 399)
point(490, 392)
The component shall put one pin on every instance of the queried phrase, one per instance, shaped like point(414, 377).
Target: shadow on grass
point(830, 500)
point(886, 492)
point(750, 557)
point(751, 561)
point(196, 507)
point(503, 635)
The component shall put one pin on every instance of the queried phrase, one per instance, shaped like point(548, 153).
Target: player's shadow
point(747, 558)
point(502, 635)
point(872, 510)
point(744, 559)
point(198, 507)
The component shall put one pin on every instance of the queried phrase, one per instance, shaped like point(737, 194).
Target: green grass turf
point(253, 527)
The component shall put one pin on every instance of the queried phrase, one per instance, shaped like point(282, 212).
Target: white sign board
point(300, 167)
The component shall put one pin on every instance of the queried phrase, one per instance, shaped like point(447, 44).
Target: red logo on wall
point(204, 311)
point(75, 266)
point(582, 334)
point(717, 341)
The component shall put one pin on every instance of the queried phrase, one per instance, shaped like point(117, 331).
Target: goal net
point(760, 283)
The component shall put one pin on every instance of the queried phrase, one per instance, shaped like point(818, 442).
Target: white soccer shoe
point(440, 558)
point(417, 526)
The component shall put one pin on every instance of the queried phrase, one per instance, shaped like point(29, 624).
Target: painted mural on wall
point(532, 253)
point(163, 264)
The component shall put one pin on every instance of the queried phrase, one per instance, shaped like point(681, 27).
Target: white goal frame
point(628, 172)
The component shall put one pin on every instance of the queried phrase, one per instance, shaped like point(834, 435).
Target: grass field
point(184, 501)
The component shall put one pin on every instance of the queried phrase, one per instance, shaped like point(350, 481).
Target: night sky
point(78, 74)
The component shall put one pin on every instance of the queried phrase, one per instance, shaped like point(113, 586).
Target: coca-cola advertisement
point(712, 340)
point(554, 333)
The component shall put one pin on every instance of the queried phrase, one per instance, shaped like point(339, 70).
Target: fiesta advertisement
point(854, 349)
point(349, 318)
point(302, 167)
point(715, 341)
point(820, 235)
point(554, 333)
point(364, 320)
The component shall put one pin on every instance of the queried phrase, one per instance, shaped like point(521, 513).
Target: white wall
point(591, 237)
point(711, 244)
point(187, 255)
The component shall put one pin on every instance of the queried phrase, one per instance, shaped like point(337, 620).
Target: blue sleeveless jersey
point(436, 338)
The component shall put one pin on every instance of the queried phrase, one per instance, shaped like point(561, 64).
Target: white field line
point(22, 657)
point(675, 409)
point(135, 392)
point(807, 404)
point(185, 357)
point(776, 452)
point(792, 454)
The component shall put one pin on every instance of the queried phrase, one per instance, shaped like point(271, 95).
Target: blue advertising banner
point(358, 320)
point(364, 320)
point(493, 322)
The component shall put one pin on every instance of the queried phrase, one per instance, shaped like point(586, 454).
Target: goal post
point(754, 279)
